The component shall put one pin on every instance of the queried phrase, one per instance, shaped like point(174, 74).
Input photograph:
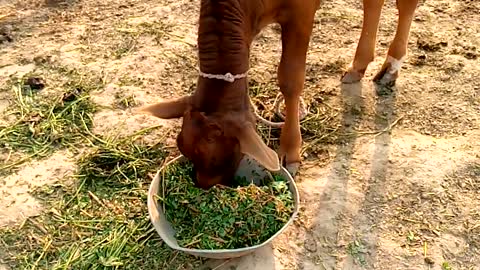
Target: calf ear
point(169, 109)
point(252, 144)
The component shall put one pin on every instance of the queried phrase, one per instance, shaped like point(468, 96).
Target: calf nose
point(206, 182)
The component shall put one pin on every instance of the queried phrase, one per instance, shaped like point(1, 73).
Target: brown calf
point(218, 124)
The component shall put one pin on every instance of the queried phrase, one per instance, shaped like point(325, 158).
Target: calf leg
point(291, 77)
point(365, 52)
point(398, 49)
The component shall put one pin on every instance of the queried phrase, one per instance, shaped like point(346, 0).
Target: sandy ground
point(405, 198)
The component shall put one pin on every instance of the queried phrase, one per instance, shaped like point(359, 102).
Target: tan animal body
point(218, 124)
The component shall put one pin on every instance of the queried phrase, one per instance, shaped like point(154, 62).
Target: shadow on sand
point(333, 199)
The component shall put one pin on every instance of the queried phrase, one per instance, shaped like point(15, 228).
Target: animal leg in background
point(397, 51)
point(365, 52)
point(291, 76)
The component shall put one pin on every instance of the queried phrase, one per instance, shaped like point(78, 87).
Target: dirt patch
point(17, 203)
point(388, 173)
point(123, 123)
point(384, 202)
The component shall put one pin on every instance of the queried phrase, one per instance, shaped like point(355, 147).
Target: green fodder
point(224, 217)
point(42, 124)
point(100, 223)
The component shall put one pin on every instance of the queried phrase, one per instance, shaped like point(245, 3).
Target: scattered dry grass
point(101, 221)
point(428, 213)
point(40, 123)
point(104, 221)
point(122, 38)
point(321, 126)
point(123, 101)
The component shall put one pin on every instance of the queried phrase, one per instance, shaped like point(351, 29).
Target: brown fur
point(218, 125)
point(365, 52)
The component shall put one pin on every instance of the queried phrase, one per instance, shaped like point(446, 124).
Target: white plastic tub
point(249, 168)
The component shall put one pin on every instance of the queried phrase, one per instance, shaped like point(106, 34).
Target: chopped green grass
point(121, 164)
point(41, 124)
point(446, 266)
point(357, 250)
point(102, 221)
point(223, 217)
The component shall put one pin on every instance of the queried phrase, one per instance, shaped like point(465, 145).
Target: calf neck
point(218, 125)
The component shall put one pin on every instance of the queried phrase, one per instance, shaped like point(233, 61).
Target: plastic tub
point(249, 168)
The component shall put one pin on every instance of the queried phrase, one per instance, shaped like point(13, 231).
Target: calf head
point(214, 144)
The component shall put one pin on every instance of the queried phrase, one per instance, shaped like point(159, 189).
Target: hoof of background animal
point(292, 168)
point(385, 77)
point(388, 74)
point(351, 76)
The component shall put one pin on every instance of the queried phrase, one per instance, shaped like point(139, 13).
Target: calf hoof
point(388, 74)
point(351, 76)
point(385, 77)
point(292, 168)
